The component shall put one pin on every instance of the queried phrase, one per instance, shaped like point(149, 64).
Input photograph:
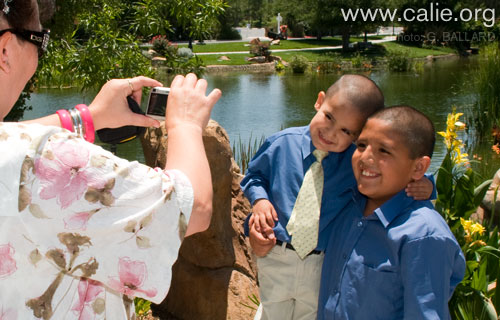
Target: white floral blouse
point(82, 232)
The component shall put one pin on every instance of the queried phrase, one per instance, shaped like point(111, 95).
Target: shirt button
point(344, 256)
point(360, 224)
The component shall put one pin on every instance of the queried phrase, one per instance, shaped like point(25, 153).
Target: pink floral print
point(132, 275)
point(8, 314)
point(64, 175)
point(7, 262)
point(88, 292)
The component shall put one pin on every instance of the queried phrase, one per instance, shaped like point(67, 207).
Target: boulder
point(215, 273)
point(258, 59)
point(489, 199)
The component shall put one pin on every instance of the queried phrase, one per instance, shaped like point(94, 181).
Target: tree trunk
point(345, 39)
point(190, 45)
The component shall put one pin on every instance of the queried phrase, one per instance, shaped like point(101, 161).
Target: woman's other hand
point(110, 108)
point(187, 103)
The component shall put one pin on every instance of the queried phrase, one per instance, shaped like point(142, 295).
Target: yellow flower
point(466, 224)
point(477, 228)
point(453, 144)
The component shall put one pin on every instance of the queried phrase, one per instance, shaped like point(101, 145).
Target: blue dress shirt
point(401, 262)
point(276, 173)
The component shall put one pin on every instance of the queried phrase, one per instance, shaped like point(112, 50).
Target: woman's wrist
point(186, 126)
point(78, 120)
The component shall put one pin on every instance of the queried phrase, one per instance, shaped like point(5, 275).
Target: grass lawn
point(284, 44)
point(379, 51)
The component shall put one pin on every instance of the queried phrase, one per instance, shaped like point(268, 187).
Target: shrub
point(185, 53)
point(459, 195)
point(160, 44)
point(399, 61)
point(229, 33)
point(299, 64)
point(279, 66)
point(357, 61)
point(486, 110)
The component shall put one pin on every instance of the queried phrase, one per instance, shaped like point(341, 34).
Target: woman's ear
point(5, 40)
point(420, 167)
point(319, 101)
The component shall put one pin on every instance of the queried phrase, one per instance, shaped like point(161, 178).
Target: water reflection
point(255, 104)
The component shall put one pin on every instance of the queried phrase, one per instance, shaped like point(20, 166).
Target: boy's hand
point(420, 189)
point(263, 217)
point(260, 245)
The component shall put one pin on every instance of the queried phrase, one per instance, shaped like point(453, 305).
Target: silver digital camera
point(157, 103)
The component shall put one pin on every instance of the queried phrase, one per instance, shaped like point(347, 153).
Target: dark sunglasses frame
point(38, 38)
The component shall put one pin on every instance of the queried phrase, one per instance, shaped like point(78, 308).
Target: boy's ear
point(4, 56)
point(319, 101)
point(420, 167)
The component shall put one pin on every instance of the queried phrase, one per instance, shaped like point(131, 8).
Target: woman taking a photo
point(83, 232)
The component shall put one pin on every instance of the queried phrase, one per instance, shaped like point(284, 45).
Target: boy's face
point(336, 124)
point(382, 164)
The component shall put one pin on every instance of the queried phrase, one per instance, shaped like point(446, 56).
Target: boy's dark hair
point(361, 92)
point(411, 125)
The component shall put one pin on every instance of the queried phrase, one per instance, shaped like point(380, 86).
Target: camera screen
point(157, 104)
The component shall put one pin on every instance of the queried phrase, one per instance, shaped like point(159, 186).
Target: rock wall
point(215, 273)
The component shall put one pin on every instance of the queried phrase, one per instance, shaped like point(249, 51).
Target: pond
point(255, 104)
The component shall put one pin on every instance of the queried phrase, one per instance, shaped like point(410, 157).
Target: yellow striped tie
point(303, 225)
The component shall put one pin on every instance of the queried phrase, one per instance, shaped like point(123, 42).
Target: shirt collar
point(393, 207)
point(307, 145)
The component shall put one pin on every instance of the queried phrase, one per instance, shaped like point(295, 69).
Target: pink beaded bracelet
point(65, 119)
point(88, 124)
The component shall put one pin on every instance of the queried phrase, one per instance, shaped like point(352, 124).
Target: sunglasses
point(38, 38)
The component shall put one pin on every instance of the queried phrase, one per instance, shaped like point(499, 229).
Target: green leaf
point(496, 295)
point(479, 278)
point(480, 192)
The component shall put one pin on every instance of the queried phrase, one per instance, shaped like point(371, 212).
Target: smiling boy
point(390, 256)
point(288, 283)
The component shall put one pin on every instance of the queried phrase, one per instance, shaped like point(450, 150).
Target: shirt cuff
point(255, 193)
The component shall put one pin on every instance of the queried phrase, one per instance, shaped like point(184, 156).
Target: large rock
point(215, 274)
point(489, 199)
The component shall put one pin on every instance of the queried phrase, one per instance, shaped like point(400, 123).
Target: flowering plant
point(459, 195)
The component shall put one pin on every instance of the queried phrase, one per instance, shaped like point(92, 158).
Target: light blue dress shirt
point(401, 262)
point(276, 173)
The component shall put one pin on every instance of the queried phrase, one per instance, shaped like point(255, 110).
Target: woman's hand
point(110, 108)
point(187, 103)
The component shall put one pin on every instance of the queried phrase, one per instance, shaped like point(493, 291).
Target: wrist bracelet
point(77, 121)
point(88, 124)
point(65, 119)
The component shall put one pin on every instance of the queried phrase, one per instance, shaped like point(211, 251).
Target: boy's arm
point(255, 186)
point(431, 268)
point(423, 189)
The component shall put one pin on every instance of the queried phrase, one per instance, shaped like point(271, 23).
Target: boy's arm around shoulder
point(423, 189)
point(431, 268)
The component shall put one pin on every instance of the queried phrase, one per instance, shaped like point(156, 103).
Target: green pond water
point(256, 104)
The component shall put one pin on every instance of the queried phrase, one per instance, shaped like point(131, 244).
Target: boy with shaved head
point(289, 273)
point(390, 256)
